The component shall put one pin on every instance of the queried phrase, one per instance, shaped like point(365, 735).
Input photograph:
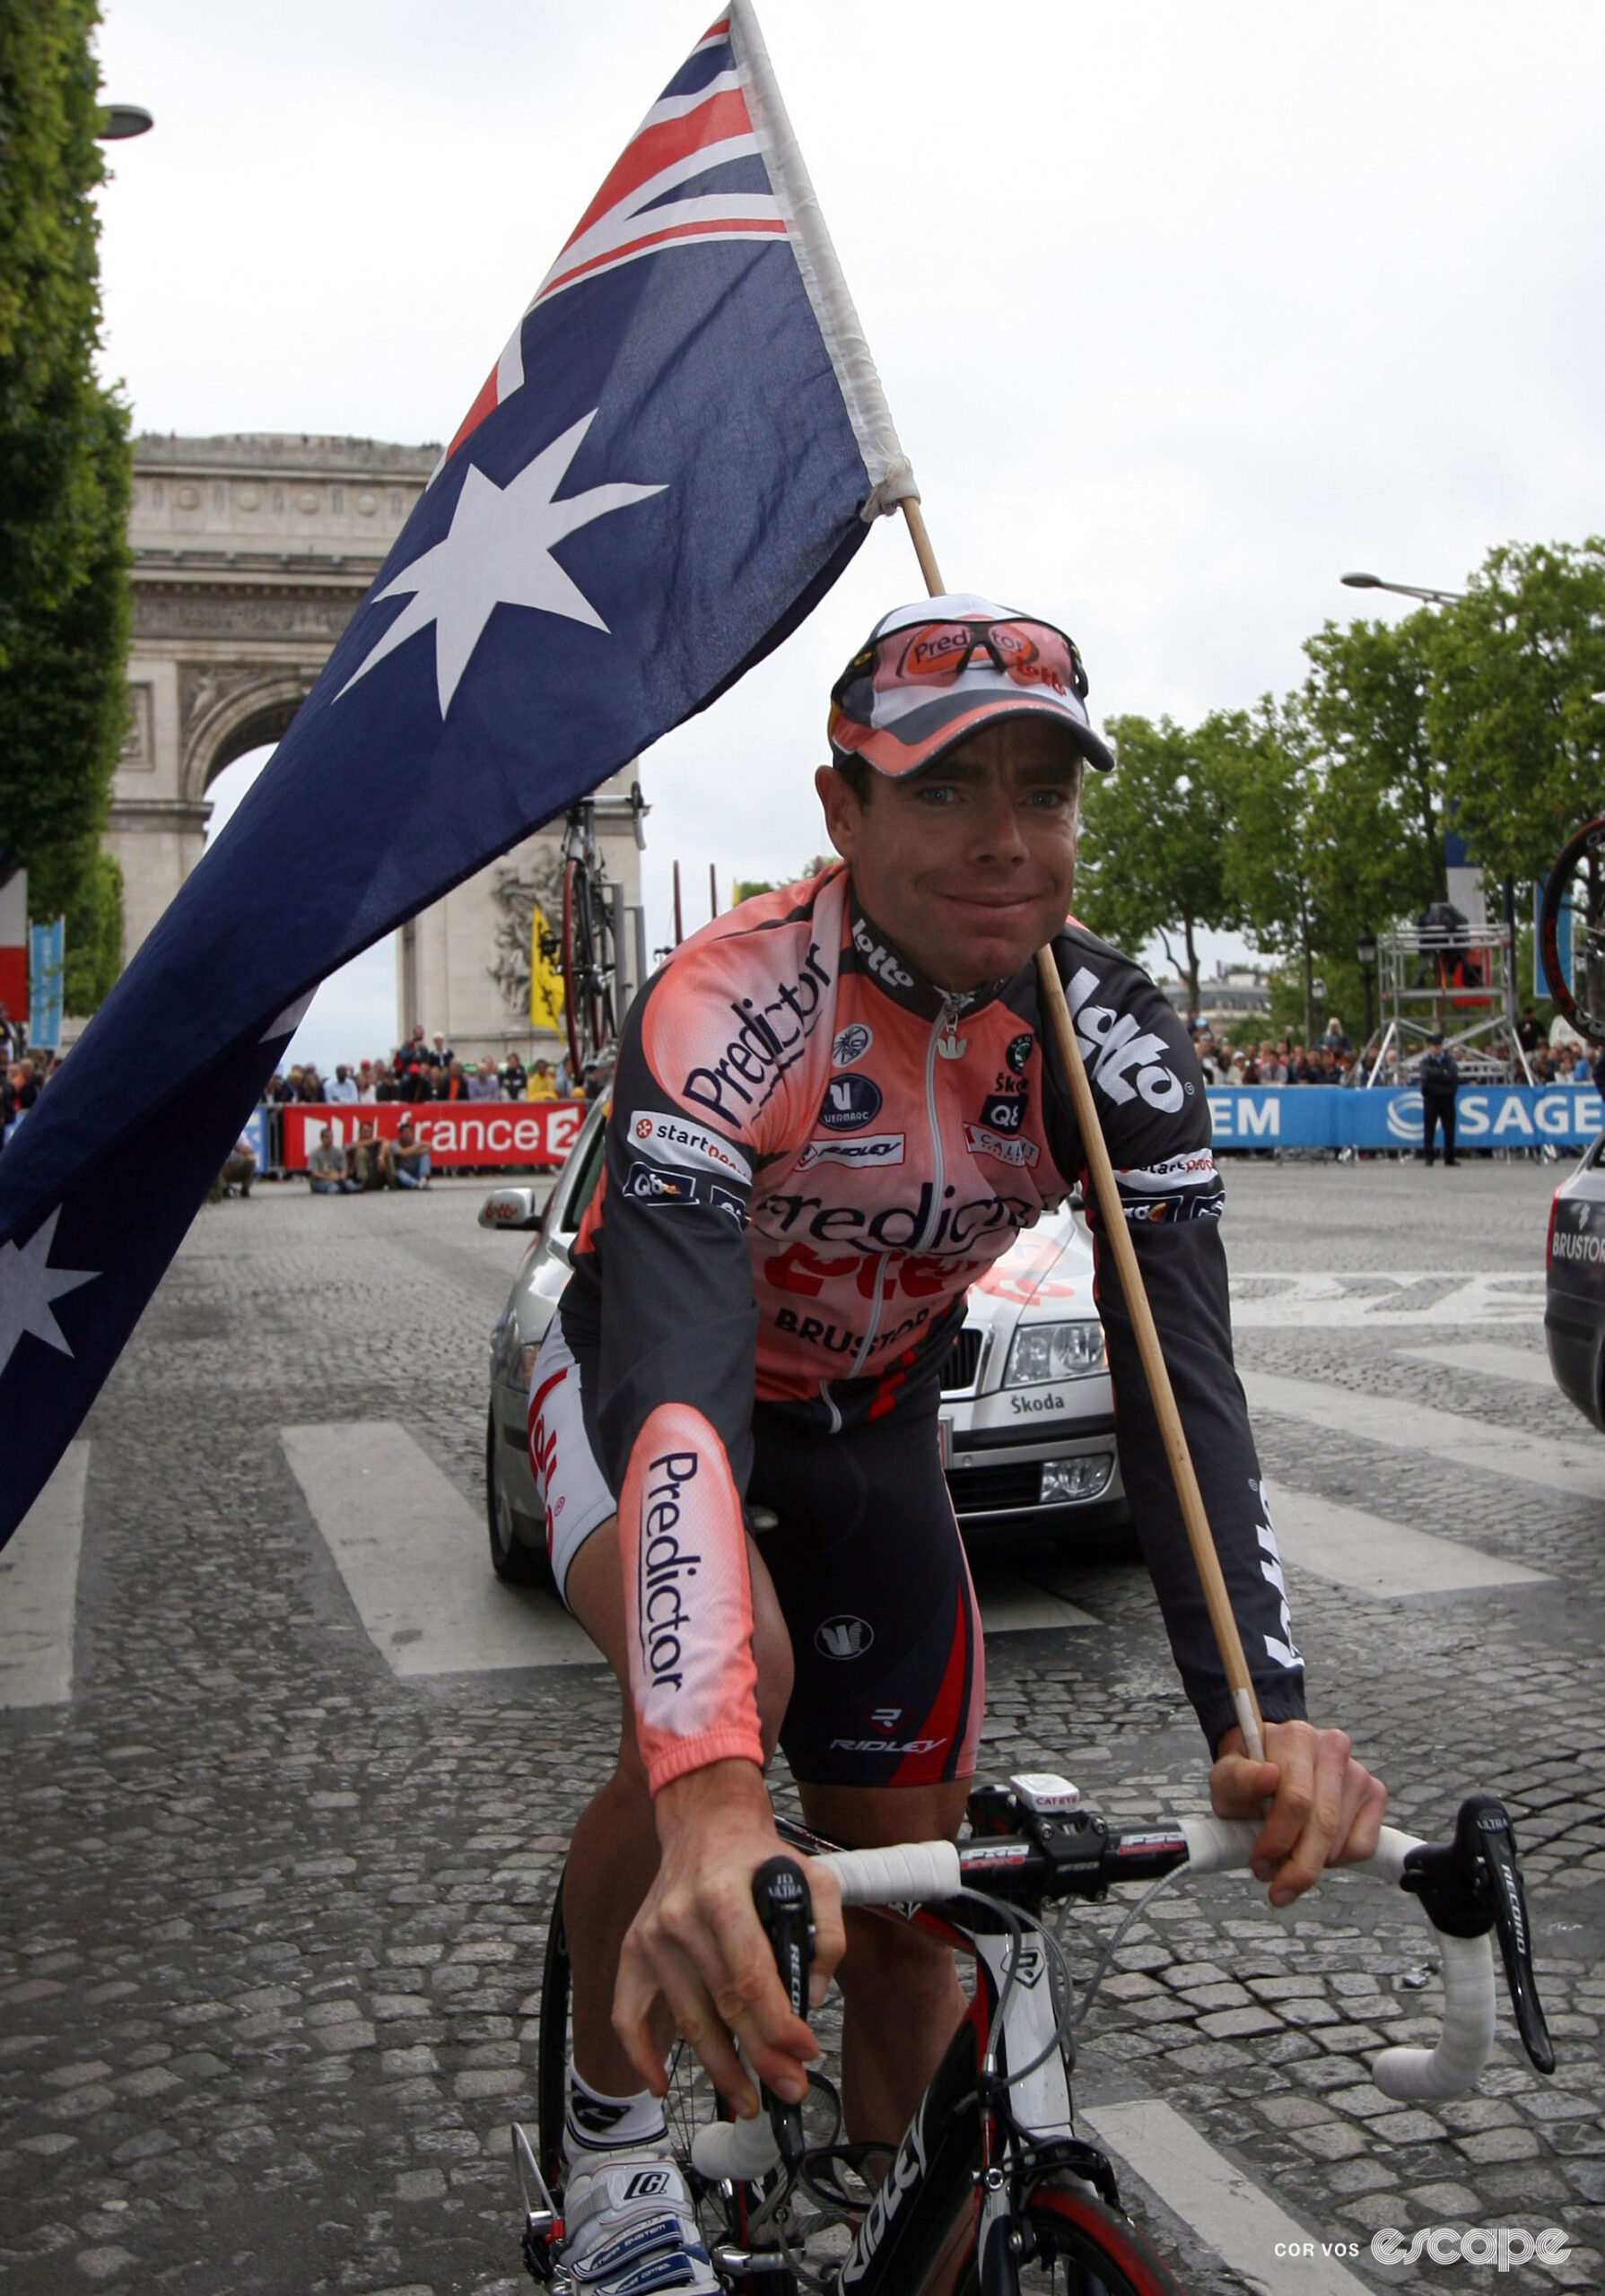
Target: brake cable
point(1090, 1990)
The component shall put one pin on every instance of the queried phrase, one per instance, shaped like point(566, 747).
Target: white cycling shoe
point(630, 2230)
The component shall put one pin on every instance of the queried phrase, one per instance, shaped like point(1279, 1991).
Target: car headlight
point(1042, 1351)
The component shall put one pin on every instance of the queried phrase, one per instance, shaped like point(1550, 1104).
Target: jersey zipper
point(870, 1328)
point(943, 1025)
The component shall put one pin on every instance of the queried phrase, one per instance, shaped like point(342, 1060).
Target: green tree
point(94, 931)
point(1511, 709)
point(1383, 807)
point(64, 468)
point(1273, 865)
point(1154, 837)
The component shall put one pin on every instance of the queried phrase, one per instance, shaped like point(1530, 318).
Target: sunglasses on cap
point(936, 653)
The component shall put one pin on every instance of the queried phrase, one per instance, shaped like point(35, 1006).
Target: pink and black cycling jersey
point(812, 1153)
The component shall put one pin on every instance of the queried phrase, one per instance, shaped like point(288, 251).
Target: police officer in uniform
point(1440, 1075)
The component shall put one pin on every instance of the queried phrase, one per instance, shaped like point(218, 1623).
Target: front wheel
point(513, 1562)
point(1082, 2248)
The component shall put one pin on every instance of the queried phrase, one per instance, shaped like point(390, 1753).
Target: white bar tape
point(1218, 1845)
point(737, 2151)
point(912, 1873)
point(1222, 1844)
point(1467, 2035)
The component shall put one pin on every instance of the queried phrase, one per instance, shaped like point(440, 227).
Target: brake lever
point(1474, 1885)
point(1498, 1843)
point(780, 1895)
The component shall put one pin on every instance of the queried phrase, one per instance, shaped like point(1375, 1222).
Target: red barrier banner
point(483, 1133)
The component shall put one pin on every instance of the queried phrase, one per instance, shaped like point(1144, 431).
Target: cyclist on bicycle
point(833, 1108)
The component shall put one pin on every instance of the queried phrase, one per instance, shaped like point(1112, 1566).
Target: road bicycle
point(1574, 896)
point(991, 2192)
point(591, 953)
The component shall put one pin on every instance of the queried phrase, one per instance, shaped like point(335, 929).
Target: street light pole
point(1400, 589)
point(120, 121)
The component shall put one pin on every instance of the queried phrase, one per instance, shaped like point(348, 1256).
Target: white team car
point(1026, 1417)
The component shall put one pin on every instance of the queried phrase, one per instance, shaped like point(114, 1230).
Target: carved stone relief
point(139, 754)
point(515, 891)
point(203, 686)
point(221, 614)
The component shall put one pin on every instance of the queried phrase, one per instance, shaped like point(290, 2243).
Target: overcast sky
point(1182, 309)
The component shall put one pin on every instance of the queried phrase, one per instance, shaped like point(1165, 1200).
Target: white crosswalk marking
point(1567, 1468)
point(413, 1556)
point(412, 1551)
point(1375, 1299)
point(1013, 1606)
point(39, 1590)
point(1523, 1364)
point(1218, 2202)
point(1378, 1557)
point(415, 1559)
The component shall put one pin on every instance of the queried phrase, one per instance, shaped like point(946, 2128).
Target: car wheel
point(513, 1561)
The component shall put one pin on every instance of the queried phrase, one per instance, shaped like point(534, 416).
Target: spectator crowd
point(427, 1069)
point(23, 1074)
point(1334, 1059)
point(423, 1069)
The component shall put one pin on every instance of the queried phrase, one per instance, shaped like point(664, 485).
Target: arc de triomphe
point(250, 556)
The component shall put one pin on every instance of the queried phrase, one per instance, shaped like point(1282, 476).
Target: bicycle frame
point(980, 2135)
point(994, 2120)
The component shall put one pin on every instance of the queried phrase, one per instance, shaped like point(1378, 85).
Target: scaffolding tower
point(1458, 977)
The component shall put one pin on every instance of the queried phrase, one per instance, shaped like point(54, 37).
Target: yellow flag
point(546, 976)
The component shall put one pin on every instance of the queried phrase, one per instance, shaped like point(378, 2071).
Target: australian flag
point(674, 458)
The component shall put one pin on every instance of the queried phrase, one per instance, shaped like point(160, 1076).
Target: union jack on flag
point(637, 508)
point(693, 170)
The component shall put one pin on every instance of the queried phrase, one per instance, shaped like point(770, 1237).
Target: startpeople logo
point(1502, 2246)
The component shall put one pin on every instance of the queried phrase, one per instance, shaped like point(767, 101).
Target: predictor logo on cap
point(850, 1103)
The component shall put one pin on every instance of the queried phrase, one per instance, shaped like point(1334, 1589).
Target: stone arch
point(227, 710)
point(251, 554)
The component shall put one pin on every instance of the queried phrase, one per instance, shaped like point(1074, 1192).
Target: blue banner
point(255, 1130)
point(46, 953)
point(1328, 1115)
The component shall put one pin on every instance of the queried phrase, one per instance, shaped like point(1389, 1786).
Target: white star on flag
point(498, 552)
point(28, 1285)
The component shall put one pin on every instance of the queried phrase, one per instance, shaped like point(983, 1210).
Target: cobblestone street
point(276, 1907)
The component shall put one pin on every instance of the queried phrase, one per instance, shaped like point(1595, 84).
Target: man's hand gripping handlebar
point(1469, 1889)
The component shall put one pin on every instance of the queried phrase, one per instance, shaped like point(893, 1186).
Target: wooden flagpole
point(1217, 1601)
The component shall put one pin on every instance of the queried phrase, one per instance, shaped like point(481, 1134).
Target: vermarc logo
point(844, 1637)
